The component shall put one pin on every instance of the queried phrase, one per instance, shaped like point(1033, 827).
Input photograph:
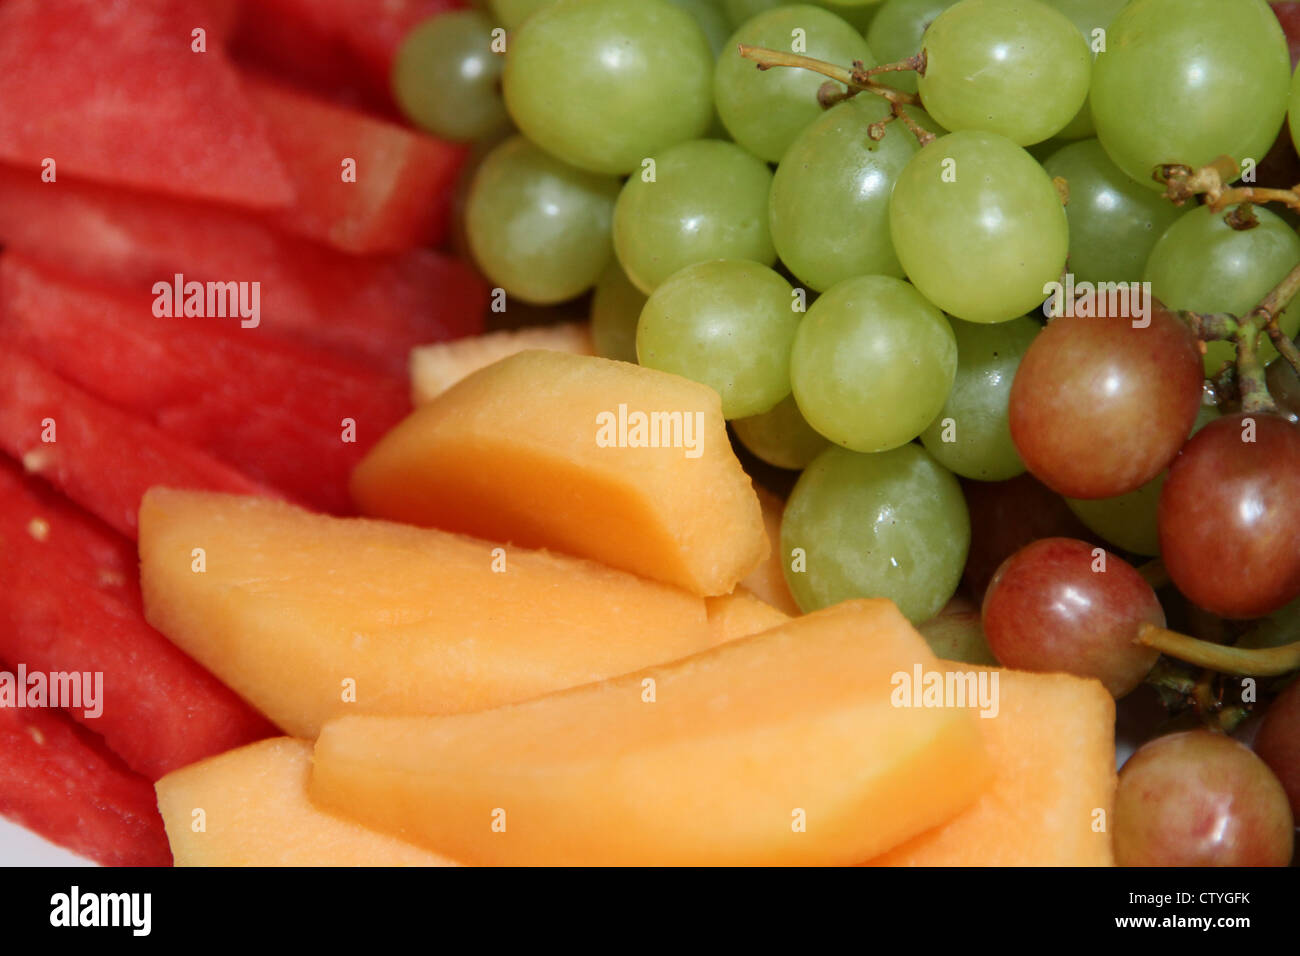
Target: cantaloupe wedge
point(249, 807)
point(767, 580)
point(543, 449)
point(1052, 745)
point(309, 617)
point(740, 614)
point(437, 367)
point(781, 748)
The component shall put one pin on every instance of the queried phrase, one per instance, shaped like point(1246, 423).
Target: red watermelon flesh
point(112, 91)
point(61, 781)
point(372, 309)
point(63, 610)
point(103, 458)
point(276, 411)
point(372, 32)
point(364, 185)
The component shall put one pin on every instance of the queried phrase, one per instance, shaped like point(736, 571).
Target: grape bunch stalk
point(845, 216)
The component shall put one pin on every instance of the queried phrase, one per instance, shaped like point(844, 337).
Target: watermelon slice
point(63, 782)
point(274, 410)
point(103, 458)
point(364, 184)
point(372, 308)
point(331, 43)
point(59, 612)
point(150, 113)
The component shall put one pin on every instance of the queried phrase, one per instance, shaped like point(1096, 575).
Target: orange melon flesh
point(294, 610)
point(738, 746)
point(1052, 745)
point(520, 451)
point(440, 365)
point(740, 614)
point(767, 580)
point(255, 812)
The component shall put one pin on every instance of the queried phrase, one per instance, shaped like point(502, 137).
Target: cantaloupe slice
point(249, 807)
point(781, 748)
point(1052, 744)
point(542, 449)
point(309, 617)
point(767, 580)
point(437, 367)
point(740, 614)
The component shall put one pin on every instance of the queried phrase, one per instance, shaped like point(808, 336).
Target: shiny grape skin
point(1114, 222)
point(446, 77)
point(1186, 81)
point(1278, 742)
point(765, 110)
point(896, 34)
point(1057, 606)
point(1230, 517)
point(1018, 68)
point(829, 208)
point(1202, 264)
point(537, 227)
point(1200, 798)
point(891, 524)
point(1099, 408)
point(1004, 517)
point(602, 84)
point(978, 226)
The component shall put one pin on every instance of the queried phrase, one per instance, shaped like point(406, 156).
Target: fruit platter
point(649, 433)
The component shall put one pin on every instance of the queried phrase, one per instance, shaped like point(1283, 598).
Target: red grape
point(1278, 742)
point(1200, 799)
point(1230, 517)
point(1047, 609)
point(1007, 515)
point(1099, 408)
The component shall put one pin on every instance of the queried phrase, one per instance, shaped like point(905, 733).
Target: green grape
point(978, 226)
point(1129, 521)
point(780, 437)
point(1186, 81)
point(830, 196)
point(712, 20)
point(511, 14)
point(728, 324)
point(1204, 265)
point(891, 525)
point(602, 84)
point(1014, 67)
point(1114, 222)
point(872, 363)
point(896, 34)
point(764, 110)
point(446, 77)
point(858, 14)
point(742, 11)
point(970, 436)
point(708, 200)
point(615, 309)
point(538, 228)
point(1089, 16)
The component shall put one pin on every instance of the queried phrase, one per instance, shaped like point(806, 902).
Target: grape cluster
point(846, 215)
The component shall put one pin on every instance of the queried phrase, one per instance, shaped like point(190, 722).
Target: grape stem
point(1246, 662)
point(1214, 183)
point(857, 79)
